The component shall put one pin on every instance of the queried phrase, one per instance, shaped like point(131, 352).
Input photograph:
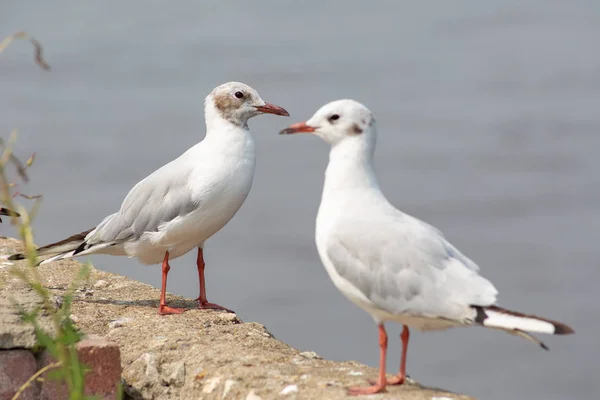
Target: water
point(489, 123)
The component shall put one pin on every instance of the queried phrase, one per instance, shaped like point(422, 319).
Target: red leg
point(163, 309)
point(401, 377)
point(381, 382)
point(204, 304)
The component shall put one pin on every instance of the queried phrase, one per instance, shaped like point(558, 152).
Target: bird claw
point(166, 310)
point(357, 390)
point(212, 306)
point(395, 380)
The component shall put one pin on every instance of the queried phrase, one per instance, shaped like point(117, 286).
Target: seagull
point(6, 211)
point(182, 204)
point(392, 265)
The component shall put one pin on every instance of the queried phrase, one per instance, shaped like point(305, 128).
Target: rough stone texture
point(13, 333)
point(204, 354)
point(16, 367)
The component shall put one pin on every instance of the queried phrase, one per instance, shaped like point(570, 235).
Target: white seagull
point(182, 204)
point(390, 264)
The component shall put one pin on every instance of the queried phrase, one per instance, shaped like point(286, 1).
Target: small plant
point(61, 342)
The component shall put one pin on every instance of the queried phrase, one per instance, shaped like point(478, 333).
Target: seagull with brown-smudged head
point(182, 204)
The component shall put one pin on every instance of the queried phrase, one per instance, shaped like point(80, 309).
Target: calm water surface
point(489, 124)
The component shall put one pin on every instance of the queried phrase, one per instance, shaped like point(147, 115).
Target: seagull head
point(237, 103)
point(338, 121)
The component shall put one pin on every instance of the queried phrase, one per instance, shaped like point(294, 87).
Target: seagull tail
point(66, 248)
point(6, 211)
point(519, 324)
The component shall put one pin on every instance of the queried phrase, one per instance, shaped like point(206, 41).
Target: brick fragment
point(16, 367)
point(103, 358)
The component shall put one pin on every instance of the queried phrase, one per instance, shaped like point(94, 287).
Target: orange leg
point(163, 309)
point(381, 382)
point(204, 304)
point(401, 377)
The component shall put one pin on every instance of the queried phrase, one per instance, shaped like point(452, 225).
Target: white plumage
point(182, 204)
point(392, 265)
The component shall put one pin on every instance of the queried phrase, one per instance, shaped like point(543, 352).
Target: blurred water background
point(489, 124)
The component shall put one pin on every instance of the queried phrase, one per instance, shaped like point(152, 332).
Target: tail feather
point(61, 248)
point(529, 336)
point(57, 257)
point(6, 211)
point(518, 323)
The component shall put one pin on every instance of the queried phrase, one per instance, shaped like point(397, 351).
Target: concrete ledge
point(201, 354)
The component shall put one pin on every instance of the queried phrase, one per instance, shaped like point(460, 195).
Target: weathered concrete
point(13, 333)
point(202, 354)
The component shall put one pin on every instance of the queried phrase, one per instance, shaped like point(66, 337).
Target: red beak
point(297, 128)
point(272, 109)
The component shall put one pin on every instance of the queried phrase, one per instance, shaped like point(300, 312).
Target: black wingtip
point(480, 316)
point(562, 329)
point(18, 256)
point(543, 346)
point(6, 211)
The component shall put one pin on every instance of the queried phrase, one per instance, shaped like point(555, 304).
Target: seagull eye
point(334, 117)
point(239, 95)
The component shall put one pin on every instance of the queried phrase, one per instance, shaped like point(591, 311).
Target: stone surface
point(16, 367)
point(204, 354)
point(13, 333)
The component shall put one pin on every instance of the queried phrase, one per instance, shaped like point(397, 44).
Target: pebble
point(177, 375)
point(227, 387)
point(253, 396)
point(289, 389)
point(118, 323)
point(211, 384)
point(100, 284)
point(58, 301)
point(151, 366)
point(311, 355)
point(227, 318)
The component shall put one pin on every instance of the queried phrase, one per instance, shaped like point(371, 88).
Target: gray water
point(489, 126)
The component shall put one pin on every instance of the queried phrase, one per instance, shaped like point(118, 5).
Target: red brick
point(16, 366)
point(104, 360)
point(50, 389)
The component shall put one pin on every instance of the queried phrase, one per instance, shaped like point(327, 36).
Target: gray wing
point(405, 266)
point(159, 198)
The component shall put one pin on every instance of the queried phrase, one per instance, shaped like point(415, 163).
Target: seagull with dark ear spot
point(179, 206)
point(392, 265)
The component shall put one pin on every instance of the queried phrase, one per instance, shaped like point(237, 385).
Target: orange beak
point(297, 128)
point(272, 109)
